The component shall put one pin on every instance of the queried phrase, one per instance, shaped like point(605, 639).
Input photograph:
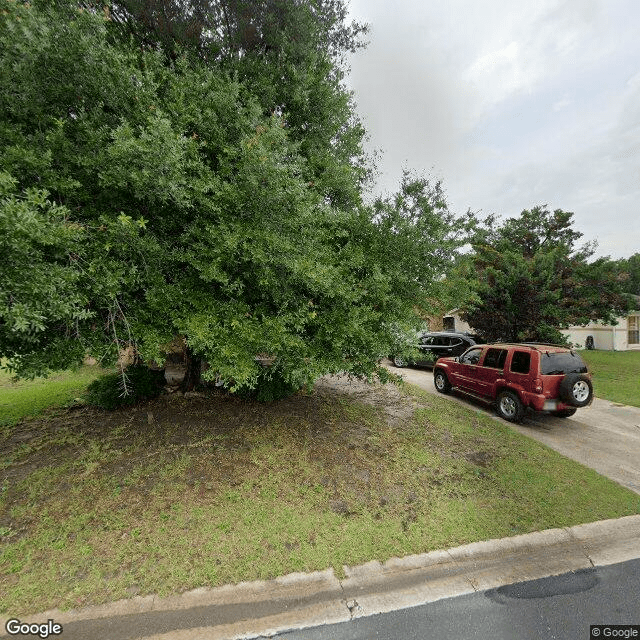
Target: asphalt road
point(604, 436)
point(554, 608)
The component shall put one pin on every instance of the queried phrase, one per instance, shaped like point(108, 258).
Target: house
point(622, 336)
point(453, 322)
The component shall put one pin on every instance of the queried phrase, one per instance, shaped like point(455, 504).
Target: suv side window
point(495, 358)
point(472, 356)
point(521, 362)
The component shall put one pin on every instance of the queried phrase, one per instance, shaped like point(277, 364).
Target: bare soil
point(172, 424)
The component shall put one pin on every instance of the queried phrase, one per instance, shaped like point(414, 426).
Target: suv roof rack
point(544, 344)
point(535, 345)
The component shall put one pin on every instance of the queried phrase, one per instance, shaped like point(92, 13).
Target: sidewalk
point(263, 608)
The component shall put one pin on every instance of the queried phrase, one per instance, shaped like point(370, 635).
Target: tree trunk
point(193, 372)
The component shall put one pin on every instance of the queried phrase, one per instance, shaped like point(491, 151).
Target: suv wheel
point(563, 413)
point(576, 389)
point(399, 362)
point(441, 382)
point(509, 406)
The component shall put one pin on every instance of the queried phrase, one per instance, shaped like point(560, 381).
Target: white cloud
point(559, 38)
point(591, 168)
point(561, 104)
point(511, 103)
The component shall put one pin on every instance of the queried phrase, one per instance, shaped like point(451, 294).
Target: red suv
point(541, 376)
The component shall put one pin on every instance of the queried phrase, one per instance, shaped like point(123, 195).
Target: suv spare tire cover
point(566, 389)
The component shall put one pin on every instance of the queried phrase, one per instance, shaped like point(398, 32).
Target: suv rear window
point(561, 362)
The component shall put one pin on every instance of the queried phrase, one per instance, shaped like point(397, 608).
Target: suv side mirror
point(457, 358)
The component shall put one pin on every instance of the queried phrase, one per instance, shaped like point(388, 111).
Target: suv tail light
point(537, 385)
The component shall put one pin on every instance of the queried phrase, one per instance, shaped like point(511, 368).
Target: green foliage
point(531, 279)
point(629, 273)
point(134, 384)
point(288, 55)
point(154, 188)
point(39, 280)
point(270, 386)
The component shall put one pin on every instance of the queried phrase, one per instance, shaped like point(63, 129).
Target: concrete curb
point(264, 608)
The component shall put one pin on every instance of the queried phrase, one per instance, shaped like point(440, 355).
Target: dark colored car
point(437, 344)
point(515, 376)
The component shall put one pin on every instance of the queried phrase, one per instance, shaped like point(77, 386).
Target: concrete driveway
point(604, 436)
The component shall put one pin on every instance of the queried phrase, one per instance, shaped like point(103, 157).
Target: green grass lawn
point(180, 493)
point(616, 375)
point(31, 397)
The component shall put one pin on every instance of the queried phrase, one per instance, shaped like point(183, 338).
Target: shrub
point(270, 387)
point(108, 392)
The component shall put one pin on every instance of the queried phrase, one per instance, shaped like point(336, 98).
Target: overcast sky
point(511, 103)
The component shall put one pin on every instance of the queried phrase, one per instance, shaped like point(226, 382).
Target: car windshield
point(553, 364)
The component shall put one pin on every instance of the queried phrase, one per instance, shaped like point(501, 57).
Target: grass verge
point(616, 375)
point(31, 397)
point(179, 493)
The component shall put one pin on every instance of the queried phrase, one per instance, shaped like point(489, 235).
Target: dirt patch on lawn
point(220, 428)
point(388, 399)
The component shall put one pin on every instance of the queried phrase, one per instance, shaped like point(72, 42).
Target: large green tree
point(630, 273)
point(148, 190)
point(530, 278)
point(289, 54)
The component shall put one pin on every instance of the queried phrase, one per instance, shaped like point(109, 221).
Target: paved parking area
point(604, 436)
